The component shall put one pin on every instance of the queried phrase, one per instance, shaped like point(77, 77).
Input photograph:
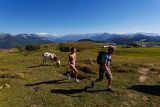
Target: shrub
point(87, 69)
point(134, 45)
point(83, 76)
point(46, 46)
point(79, 49)
point(64, 48)
point(32, 47)
point(19, 48)
point(88, 61)
point(11, 75)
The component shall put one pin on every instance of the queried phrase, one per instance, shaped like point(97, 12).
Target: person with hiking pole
point(72, 64)
point(104, 60)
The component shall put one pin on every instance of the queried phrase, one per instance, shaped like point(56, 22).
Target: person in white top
point(104, 68)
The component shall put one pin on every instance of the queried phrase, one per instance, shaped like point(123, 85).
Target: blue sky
point(79, 16)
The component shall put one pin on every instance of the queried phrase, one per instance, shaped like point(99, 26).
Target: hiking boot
point(77, 80)
point(92, 83)
point(110, 90)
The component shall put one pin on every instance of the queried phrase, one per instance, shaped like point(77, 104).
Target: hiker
point(72, 64)
point(104, 68)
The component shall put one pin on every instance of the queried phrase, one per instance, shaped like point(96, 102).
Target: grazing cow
point(105, 46)
point(52, 57)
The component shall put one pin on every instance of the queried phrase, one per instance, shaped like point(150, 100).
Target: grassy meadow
point(25, 82)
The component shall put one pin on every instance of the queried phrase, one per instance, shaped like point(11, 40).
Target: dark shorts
point(102, 73)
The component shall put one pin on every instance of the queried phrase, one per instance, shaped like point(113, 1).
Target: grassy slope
point(46, 86)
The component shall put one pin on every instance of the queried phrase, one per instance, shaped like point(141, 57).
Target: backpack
point(99, 57)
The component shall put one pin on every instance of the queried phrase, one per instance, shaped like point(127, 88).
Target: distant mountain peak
point(11, 41)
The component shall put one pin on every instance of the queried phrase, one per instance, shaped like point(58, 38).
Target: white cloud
point(42, 33)
point(50, 34)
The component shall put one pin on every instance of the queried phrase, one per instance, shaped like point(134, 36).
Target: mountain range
point(11, 41)
point(107, 37)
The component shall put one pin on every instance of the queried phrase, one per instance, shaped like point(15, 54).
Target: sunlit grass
point(35, 85)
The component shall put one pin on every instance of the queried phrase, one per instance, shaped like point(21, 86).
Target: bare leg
point(75, 71)
point(109, 83)
point(109, 79)
point(109, 88)
point(69, 74)
point(100, 78)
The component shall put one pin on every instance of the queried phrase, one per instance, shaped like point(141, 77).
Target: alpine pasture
point(26, 82)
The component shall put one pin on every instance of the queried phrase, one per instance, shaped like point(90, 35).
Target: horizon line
point(63, 34)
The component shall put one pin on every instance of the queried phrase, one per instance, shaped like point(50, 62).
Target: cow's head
point(58, 62)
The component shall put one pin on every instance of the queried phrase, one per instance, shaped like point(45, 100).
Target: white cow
point(105, 46)
point(52, 57)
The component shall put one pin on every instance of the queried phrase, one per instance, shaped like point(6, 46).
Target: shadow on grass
point(16, 52)
point(148, 89)
point(48, 82)
point(38, 66)
point(75, 91)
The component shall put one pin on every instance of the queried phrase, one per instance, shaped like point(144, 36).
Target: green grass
point(147, 52)
point(34, 85)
